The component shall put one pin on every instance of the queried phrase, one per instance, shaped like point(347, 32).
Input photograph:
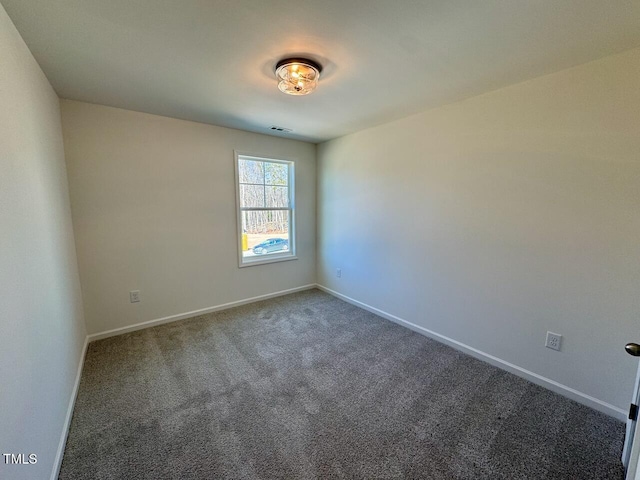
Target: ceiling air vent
point(281, 129)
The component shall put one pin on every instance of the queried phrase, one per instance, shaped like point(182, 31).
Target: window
point(265, 198)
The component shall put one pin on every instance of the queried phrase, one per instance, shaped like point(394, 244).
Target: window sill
point(270, 259)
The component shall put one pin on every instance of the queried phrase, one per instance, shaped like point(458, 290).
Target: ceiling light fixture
point(297, 76)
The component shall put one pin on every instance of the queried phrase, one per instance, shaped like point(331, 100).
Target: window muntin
point(265, 197)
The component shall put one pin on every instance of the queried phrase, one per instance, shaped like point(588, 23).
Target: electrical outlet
point(134, 296)
point(553, 341)
point(339, 273)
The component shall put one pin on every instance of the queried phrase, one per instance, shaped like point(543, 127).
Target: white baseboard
point(67, 421)
point(194, 313)
point(533, 377)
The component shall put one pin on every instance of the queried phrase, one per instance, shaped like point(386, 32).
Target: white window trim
point(274, 257)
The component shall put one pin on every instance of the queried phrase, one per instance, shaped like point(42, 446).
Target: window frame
point(290, 254)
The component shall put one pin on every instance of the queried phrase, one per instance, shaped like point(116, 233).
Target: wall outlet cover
point(553, 341)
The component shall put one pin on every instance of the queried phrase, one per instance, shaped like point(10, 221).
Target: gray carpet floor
point(307, 386)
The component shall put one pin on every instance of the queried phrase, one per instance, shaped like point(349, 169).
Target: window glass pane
point(276, 173)
point(250, 171)
point(277, 196)
point(265, 233)
point(264, 184)
point(251, 196)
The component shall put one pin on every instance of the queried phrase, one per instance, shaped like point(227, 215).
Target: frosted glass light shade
point(297, 76)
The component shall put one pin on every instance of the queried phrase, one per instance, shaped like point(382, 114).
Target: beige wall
point(41, 327)
point(495, 219)
point(153, 202)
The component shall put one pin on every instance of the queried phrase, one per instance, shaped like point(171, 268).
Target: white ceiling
point(212, 60)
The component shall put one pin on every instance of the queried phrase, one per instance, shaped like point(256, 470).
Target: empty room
point(350, 239)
